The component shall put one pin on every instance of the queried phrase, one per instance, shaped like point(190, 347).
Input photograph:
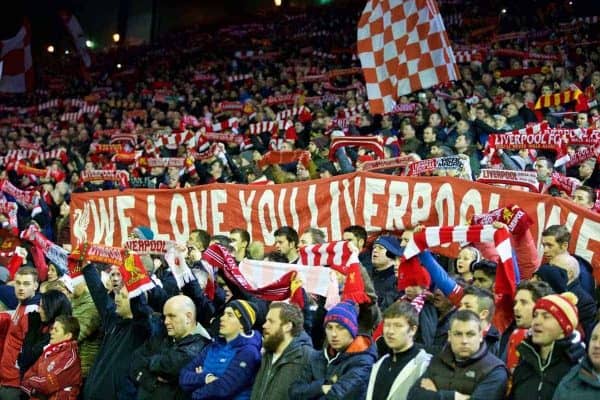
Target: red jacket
point(56, 374)
point(9, 370)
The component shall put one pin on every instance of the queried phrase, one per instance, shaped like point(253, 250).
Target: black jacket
point(483, 377)
point(163, 357)
point(108, 377)
point(586, 307)
point(534, 379)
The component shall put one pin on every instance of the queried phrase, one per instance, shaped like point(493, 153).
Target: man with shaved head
point(155, 366)
point(585, 304)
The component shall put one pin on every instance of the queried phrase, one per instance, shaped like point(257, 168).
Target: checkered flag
point(403, 47)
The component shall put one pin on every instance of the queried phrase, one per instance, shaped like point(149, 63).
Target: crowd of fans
point(260, 103)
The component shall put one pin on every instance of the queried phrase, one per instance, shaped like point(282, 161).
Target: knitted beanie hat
point(563, 308)
point(245, 313)
point(412, 273)
point(345, 314)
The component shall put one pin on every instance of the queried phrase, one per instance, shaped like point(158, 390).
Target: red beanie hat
point(412, 273)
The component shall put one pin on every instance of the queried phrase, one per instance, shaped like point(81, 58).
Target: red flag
point(403, 47)
point(16, 74)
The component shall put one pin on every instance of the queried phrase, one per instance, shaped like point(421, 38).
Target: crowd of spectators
point(260, 102)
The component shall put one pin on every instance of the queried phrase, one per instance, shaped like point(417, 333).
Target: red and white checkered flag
point(16, 74)
point(403, 47)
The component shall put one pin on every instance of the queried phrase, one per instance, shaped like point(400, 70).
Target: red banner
point(376, 201)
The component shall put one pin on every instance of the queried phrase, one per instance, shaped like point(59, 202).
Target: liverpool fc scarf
point(130, 265)
point(342, 257)
point(219, 258)
point(513, 216)
point(53, 252)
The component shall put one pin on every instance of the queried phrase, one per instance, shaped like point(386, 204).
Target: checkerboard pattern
point(403, 47)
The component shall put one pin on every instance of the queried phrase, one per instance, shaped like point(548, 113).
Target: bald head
point(180, 316)
point(568, 263)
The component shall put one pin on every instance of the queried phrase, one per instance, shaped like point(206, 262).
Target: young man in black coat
point(465, 368)
point(551, 350)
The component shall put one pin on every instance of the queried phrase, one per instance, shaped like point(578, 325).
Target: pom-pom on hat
point(563, 308)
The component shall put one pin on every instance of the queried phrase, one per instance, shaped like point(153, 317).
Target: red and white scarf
point(285, 157)
point(9, 209)
point(219, 258)
point(374, 143)
point(582, 155)
point(27, 198)
point(513, 216)
point(53, 252)
point(121, 176)
point(438, 235)
point(269, 126)
point(342, 257)
point(431, 165)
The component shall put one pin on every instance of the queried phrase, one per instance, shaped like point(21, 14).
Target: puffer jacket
point(347, 372)
point(534, 379)
point(234, 363)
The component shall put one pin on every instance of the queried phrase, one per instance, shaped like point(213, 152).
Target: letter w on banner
point(17, 67)
point(403, 47)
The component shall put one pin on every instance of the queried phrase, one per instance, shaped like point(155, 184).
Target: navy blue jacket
point(108, 377)
point(348, 372)
point(385, 283)
point(234, 363)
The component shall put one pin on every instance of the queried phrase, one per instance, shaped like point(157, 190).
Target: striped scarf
point(343, 258)
point(506, 278)
point(218, 257)
point(374, 143)
point(558, 99)
point(418, 302)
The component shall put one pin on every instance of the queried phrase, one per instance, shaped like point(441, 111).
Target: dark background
point(134, 18)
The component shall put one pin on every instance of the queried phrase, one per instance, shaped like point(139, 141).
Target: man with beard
point(287, 349)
